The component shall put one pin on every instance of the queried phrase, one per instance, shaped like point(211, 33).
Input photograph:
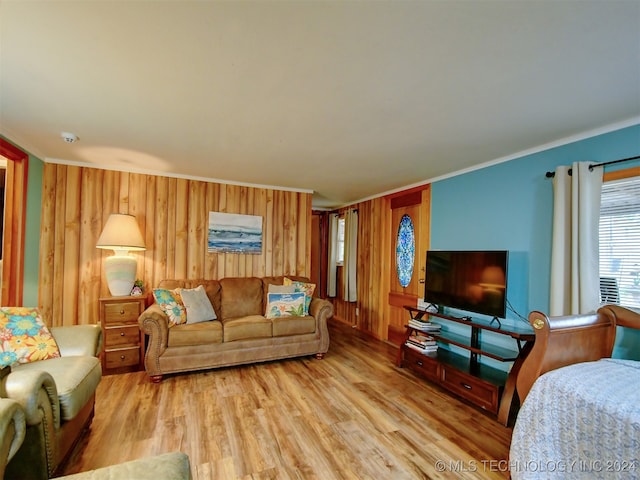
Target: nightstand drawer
point(122, 312)
point(122, 357)
point(472, 388)
point(121, 336)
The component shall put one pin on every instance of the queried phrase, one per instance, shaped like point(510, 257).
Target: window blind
point(620, 242)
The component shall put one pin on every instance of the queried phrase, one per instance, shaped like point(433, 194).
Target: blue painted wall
point(509, 206)
point(32, 232)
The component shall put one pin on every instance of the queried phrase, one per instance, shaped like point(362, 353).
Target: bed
point(580, 414)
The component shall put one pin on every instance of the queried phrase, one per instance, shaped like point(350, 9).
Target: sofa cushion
point(76, 379)
point(241, 297)
point(171, 303)
point(195, 334)
point(283, 326)
point(281, 288)
point(277, 280)
point(305, 287)
point(212, 287)
point(285, 304)
point(198, 305)
point(174, 465)
point(24, 337)
point(242, 328)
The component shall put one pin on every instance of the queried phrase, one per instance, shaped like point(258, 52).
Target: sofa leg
point(156, 378)
point(319, 356)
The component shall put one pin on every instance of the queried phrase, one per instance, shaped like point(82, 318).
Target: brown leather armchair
point(12, 431)
point(57, 397)
point(173, 465)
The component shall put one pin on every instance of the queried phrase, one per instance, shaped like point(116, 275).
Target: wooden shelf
point(514, 329)
point(465, 375)
point(463, 364)
point(492, 351)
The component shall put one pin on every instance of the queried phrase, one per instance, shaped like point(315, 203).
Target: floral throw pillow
point(24, 337)
point(306, 288)
point(170, 302)
point(285, 305)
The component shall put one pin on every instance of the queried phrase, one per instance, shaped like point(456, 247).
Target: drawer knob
point(122, 312)
point(468, 387)
point(121, 357)
point(419, 363)
point(122, 334)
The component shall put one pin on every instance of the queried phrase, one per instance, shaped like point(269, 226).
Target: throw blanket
point(580, 421)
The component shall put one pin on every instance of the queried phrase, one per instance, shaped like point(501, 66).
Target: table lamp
point(121, 234)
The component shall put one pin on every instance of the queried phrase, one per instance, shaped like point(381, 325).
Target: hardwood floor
point(353, 415)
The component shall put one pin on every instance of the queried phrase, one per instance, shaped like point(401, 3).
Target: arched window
point(405, 250)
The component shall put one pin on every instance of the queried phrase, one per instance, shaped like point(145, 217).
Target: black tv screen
point(475, 281)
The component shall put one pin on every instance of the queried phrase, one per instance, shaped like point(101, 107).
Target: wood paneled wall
point(373, 271)
point(173, 217)
point(375, 266)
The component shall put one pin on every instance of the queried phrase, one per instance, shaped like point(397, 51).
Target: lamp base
point(120, 271)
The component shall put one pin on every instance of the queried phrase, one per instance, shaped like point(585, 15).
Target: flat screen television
point(475, 281)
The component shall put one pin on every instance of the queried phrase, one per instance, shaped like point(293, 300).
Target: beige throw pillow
point(282, 288)
point(198, 305)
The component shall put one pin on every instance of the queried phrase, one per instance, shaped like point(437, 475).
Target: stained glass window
point(405, 250)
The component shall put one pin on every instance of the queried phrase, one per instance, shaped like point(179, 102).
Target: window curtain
point(350, 255)
point(574, 250)
point(333, 266)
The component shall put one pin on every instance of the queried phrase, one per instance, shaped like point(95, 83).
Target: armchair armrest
point(36, 392)
point(12, 430)
point(78, 340)
point(155, 323)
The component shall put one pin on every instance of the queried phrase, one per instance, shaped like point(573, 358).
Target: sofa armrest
point(78, 340)
point(154, 323)
point(36, 392)
point(322, 311)
point(12, 430)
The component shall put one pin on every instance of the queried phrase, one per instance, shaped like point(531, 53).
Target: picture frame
point(234, 233)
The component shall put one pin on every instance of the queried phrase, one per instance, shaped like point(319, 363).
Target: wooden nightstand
point(122, 340)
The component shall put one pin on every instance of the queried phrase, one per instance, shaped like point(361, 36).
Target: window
point(340, 242)
point(620, 241)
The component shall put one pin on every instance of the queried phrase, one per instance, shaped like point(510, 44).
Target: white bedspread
point(580, 421)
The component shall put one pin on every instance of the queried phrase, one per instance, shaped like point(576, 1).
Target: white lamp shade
point(121, 234)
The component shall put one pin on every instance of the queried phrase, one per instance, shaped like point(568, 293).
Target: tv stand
point(464, 375)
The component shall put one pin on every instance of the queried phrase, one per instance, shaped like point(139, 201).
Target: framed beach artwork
point(234, 233)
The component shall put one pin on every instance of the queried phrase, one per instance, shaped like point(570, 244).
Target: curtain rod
point(591, 167)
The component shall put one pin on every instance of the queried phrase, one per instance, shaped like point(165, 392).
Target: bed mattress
point(580, 421)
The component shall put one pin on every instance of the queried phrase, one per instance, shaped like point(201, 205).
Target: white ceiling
point(346, 98)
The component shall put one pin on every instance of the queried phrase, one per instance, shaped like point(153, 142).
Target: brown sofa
point(240, 335)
